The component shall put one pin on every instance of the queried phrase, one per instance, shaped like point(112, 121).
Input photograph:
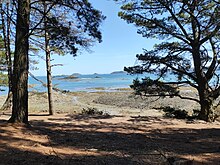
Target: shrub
point(93, 111)
point(175, 113)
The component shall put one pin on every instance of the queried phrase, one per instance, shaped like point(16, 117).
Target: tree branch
point(170, 66)
point(45, 85)
point(172, 95)
point(212, 66)
point(41, 20)
point(176, 20)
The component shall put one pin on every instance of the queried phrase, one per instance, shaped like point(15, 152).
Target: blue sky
point(120, 45)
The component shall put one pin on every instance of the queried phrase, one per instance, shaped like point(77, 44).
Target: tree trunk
point(20, 69)
point(6, 35)
point(206, 112)
point(9, 60)
point(8, 103)
point(49, 79)
point(206, 103)
point(48, 65)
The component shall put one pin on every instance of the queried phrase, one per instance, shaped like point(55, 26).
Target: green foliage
point(175, 113)
point(3, 66)
point(195, 113)
point(71, 24)
point(190, 34)
point(148, 86)
point(181, 24)
point(3, 79)
point(92, 111)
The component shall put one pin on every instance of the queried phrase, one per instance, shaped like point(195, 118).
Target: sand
point(131, 131)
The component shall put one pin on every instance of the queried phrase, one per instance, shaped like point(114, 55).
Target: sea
point(85, 82)
point(80, 82)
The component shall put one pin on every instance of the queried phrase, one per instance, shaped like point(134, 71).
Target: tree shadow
point(86, 116)
point(103, 142)
point(35, 114)
point(2, 121)
point(5, 114)
point(19, 157)
point(149, 120)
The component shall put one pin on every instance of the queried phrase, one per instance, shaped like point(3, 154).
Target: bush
point(92, 111)
point(175, 113)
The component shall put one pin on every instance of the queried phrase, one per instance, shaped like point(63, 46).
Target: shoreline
point(87, 90)
point(117, 102)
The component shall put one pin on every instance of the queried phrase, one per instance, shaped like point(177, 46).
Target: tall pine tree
point(190, 34)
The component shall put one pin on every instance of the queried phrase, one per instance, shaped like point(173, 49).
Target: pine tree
point(80, 29)
point(190, 36)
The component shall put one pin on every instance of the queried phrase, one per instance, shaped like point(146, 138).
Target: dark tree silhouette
point(190, 48)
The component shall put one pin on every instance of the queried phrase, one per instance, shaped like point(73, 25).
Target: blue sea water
point(88, 83)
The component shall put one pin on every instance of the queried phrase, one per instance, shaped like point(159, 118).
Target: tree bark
point(206, 112)
point(9, 60)
point(49, 77)
point(206, 103)
point(20, 68)
point(48, 64)
point(6, 35)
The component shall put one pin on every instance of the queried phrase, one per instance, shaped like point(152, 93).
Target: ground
point(132, 131)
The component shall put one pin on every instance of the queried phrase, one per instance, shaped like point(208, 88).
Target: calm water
point(83, 82)
point(87, 83)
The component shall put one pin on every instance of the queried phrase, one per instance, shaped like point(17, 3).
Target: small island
point(76, 74)
point(118, 72)
point(71, 77)
point(97, 77)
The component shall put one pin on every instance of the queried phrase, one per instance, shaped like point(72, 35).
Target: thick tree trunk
point(206, 103)
point(48, 65)
point(20, 69)
point(205, 100)
point(206, 112)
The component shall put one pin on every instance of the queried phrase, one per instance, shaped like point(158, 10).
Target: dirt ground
point(130, 134)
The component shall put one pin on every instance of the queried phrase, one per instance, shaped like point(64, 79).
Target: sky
point(120, 45)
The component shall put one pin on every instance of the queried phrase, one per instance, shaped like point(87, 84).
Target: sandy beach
point(130, 130)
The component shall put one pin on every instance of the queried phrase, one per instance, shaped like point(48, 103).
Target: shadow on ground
point(99, 142)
